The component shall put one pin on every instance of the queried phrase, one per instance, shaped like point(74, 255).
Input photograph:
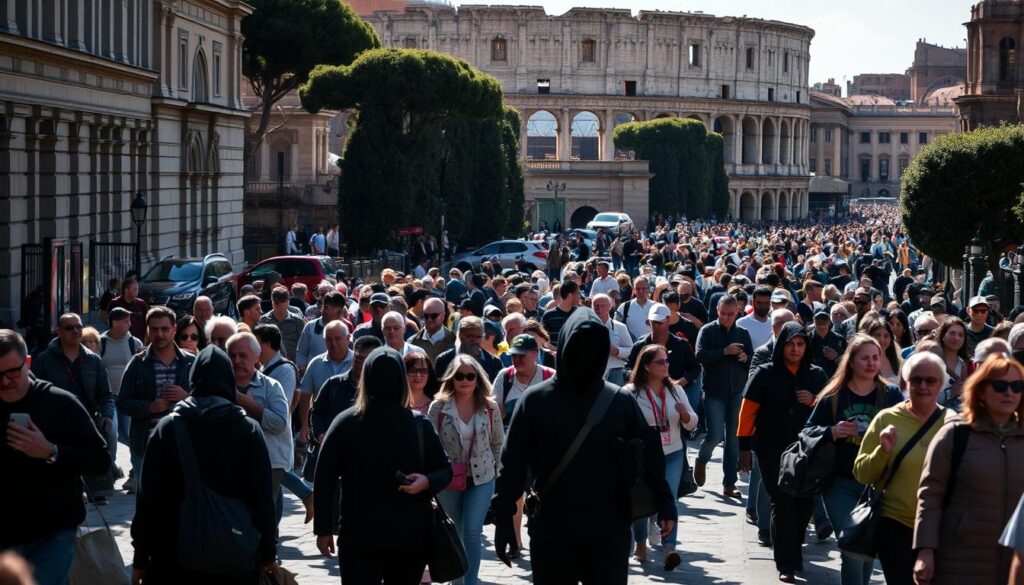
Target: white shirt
point(604, 285)
point(637, 321)
point(433, 339)
point(289, 243)
point(675, 423)
point(760, 331)
point(407, 348)
point(466, 431)
point(503, 395)
point(621, 339)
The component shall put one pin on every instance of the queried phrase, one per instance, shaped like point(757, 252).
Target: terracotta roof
point(869, 100)
point(943, 96)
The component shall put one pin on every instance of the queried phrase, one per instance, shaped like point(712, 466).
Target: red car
point(309, 270)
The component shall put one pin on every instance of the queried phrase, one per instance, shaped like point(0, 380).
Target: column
point(608, 144)
point(777, 145)
point(10, 21)
point(524, 118)
point(759, 147)
point(757, 204)
point(737, 142)
point(564, 136)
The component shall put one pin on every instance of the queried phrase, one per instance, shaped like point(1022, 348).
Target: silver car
point(507, 252)
point(611, 222)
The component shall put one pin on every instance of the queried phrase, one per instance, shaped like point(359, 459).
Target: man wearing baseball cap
point(682, 364)
point(380, 303)
point(978, 329)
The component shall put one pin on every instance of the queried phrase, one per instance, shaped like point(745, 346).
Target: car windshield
point(174, 270)
point(607, 217)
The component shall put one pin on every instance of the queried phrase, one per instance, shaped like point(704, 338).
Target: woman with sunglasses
point(887, 435)
point(190, 337)
point(468, 421)
point(423, 382)
point(665, 407)
point(972, 481)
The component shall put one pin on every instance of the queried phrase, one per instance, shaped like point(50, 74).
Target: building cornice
point(31, 49)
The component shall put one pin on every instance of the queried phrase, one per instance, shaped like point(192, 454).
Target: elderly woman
point(972, 480)
point(888, 461)
point(1016, 341)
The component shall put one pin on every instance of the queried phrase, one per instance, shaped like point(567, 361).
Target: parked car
point(507, 251)
point(176, 282)
point(611, 221)
point(309, 270)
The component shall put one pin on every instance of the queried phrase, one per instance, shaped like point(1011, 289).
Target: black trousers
point(605, 562)
point(365, 565)
point(896, 551)
point(790, 514)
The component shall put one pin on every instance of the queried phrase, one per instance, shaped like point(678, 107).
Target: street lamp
point(556, 188)
point(139, 208)
point(977, 247)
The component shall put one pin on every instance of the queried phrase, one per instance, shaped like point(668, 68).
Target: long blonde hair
point(481, 394)
point(844, 373)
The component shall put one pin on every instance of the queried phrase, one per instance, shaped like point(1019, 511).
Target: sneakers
point(700, 473)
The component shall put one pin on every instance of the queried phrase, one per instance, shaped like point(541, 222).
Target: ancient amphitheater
point(576, 76)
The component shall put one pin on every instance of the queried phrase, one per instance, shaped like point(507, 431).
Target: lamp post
point(139, 208)
point(974, 266)
point(556, 188)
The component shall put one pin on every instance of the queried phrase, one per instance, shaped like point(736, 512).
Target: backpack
point(961, 433)
point(510, 374)
point(134, 345)
point(217, 534)
point(625, 311)
point(281, 362)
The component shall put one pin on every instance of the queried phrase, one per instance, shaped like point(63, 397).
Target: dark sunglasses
point(189, 336)
point(431, 316)
point(470, 377)
point(71, 327)
point(922, 380)
point(418, 372)
point(1001, 386)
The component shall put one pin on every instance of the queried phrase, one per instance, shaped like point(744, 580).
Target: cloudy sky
point(851, 36)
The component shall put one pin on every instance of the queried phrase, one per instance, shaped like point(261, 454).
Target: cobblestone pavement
point(717, 545)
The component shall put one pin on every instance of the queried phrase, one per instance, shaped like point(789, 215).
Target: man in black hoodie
point(49, 442)
point(589, 495)
point(777, 403)
point(232, 460)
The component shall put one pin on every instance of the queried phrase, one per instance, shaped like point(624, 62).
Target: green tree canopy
point(964, 185)
point(431, 136)
point(286, 39)
point(687, 163)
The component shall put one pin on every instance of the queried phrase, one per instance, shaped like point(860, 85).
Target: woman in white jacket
point(666, 408)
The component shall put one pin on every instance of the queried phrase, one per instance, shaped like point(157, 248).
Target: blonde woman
point(468, 421)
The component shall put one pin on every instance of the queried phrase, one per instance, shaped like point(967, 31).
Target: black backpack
point(216, 534)
point(806, 467)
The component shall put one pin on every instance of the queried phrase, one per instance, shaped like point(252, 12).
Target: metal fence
point(55, 269)
point(368, 268)
point(107, 260)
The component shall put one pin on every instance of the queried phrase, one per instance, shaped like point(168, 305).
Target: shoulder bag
point(858, 538)
point(446, 555)
point(461, 470)
point(533, 500)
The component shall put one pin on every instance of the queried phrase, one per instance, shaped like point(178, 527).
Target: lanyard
point(659, 421)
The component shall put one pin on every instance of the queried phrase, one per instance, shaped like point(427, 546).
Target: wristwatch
point(53, 457)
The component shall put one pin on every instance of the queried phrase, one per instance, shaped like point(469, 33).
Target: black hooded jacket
point(365, 449)
point(233, 461)
point(772, 387)
point(587, 496)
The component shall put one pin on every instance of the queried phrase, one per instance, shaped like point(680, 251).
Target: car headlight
point(182, 297)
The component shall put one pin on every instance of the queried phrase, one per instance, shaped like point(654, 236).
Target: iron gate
point(53, 269)
point(107, 260)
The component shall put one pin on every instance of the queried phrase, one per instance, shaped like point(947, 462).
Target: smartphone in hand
point(20, 418)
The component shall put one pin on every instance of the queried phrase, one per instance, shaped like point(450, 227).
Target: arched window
point(1007, 59)
point(589, 51)
point(499, 50)
point(199, 77)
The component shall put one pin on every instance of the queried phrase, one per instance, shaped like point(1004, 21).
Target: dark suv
point(176, 282)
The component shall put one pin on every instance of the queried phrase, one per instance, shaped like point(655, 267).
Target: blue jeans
point(124, 423)
point(467, 509)
point(840, 500)
point(759, 505)
point(673, 474)
point(722, 415)
point(50, 556)
point(694, 394)
point(296, 486)
point(615, 376)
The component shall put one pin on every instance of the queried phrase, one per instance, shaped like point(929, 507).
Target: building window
point(865, 138)
point(828, 167)
point(785, 62)
point(589, 51)
point(883, 169)
point(1007, 59)
point(865, 169)
point(813, 164)
point(216, 68)
point(828, 136)
point(694, 54)
point(543, 86)
point(499, 50)
point(629, 87)
point(750, 58)
point(409, 43)
point(904, 163)
point(771, 94)
point(904, 137)
point(883, 138)
point(814, 133)
point(199, 77)
point(282, 160)
point(725, 92)
point(183, 68)
point(922, 138)
point(798, 97)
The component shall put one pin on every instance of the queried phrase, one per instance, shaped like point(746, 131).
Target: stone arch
point(769, 211)
point(748, 206)
point(581, 216)
point(541, 136)
point(725, 126)
point(794, 205)
point(768, 133)
point(213, 153)
point(784, 210)
point(660, 115)
point(585, 131)
point(785, 142)
point(195, 157)
point(698, 117)
point(750, 137)
point(199, 78)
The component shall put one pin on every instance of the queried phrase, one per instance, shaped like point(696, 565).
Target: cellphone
point(20, 418)
point(402, 478)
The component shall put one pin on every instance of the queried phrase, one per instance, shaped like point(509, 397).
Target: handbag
point(279, 576)
point(97, 560)
point(858, 538)
point(642, 502)
point(446, 555)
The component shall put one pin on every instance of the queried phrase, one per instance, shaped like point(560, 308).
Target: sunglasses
point(431, 316)
point(922, 380)
point(189, 336)
point(1001, 386)
point(71, 327)
point(469, 377)
point(419, 372)
point(923, 332)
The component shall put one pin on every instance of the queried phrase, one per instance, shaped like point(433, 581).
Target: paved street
point(718, 546)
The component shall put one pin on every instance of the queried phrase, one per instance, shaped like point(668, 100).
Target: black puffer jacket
point(547, 418)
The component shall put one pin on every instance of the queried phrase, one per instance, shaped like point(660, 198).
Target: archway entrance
point(541, 136)
point(748, 206)
point(581, 216)
point(585, 130)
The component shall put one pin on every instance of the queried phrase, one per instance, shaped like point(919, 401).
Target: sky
point(851, 36)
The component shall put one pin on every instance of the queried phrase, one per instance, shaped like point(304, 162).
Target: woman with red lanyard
point(667, 410)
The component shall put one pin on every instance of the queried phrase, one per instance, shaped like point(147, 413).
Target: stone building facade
point(101, 100)
point(586, 71)
point(995, 78)
point(934, 67)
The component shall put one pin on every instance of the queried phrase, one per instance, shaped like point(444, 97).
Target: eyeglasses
point(418, 372)
point(71, 327)
point(14, 373)
point(188, 336)
point(922, 381)
point(469, 376)
point(431, 316)
point(1001, 386)
point(659, 362)
point(923, 332)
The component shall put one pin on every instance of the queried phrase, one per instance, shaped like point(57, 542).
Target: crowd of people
point(570, 395)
